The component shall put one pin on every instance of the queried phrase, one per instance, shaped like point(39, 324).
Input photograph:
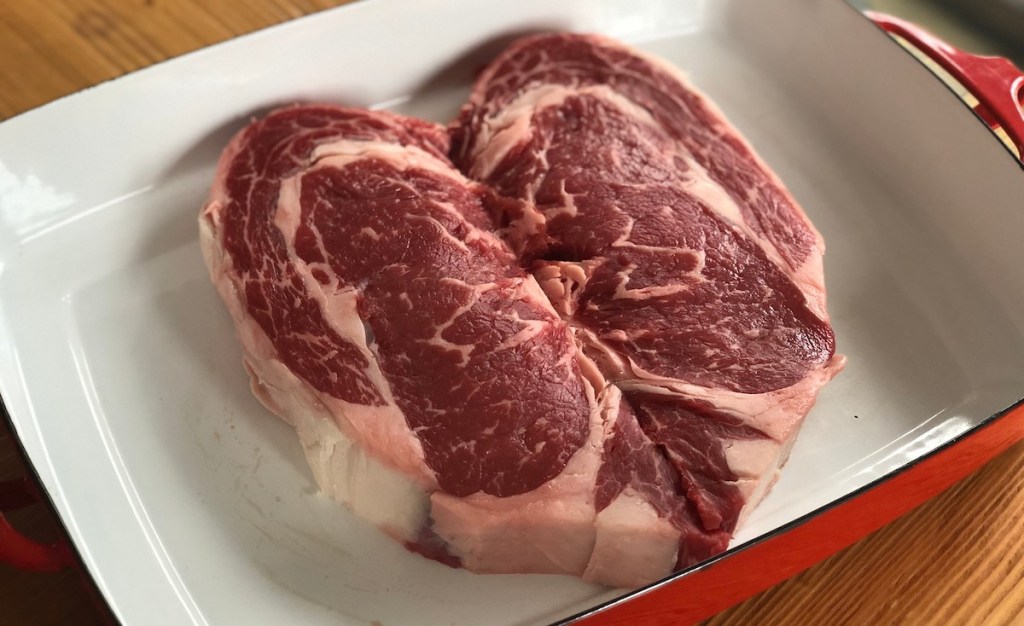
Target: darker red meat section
point(476, 364)
point(635, 459)
point(576, 62)
point(275, 148)
point(725, 316)
point(369, 216)
point(690, 434)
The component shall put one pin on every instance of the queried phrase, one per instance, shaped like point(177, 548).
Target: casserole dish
point(120, 370)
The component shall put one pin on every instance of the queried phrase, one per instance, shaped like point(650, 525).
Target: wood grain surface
point(957, 560)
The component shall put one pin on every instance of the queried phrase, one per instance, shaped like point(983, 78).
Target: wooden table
point(957, 560)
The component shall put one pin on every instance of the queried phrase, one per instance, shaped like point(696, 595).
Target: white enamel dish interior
point(189, 502)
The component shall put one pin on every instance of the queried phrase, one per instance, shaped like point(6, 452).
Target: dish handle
point(17, 549)
point(995, 81)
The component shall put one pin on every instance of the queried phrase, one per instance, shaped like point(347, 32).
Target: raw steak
point(686, 271)
point(401, 339)
point(593, 361)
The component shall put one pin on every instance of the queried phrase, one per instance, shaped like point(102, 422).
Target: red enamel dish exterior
point(16, 549)
point(996, 82)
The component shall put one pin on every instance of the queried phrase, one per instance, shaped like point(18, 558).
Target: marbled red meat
point(586, 353)
point(687, 272)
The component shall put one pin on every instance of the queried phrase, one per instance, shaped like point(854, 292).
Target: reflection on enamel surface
point(25, 202)
point(904, 453)
point(810, 494)
point(942, 433)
